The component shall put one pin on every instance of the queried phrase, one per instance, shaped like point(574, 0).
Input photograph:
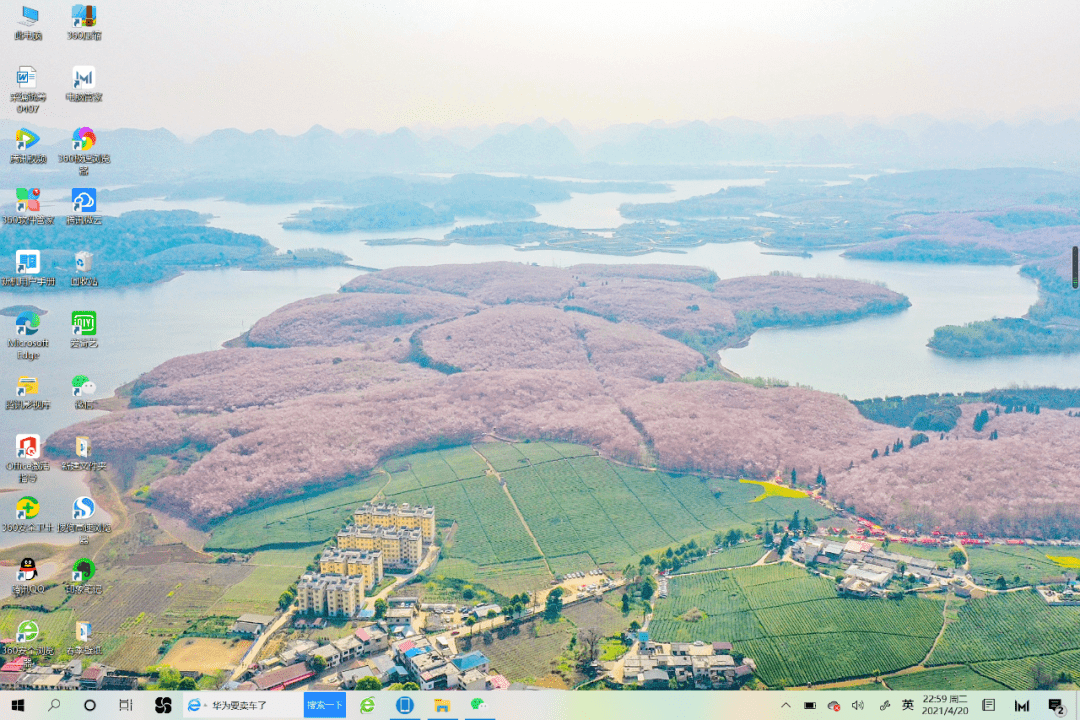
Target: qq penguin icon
point(27, 570)
point(83, 508)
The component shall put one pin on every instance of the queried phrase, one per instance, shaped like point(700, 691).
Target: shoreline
point(55, 539)
point(178, 272)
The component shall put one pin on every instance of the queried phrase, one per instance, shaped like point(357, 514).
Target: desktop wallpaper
point(486, 346)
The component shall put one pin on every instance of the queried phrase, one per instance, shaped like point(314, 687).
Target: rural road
point(256, 647)
point(535, 610)
point(429, 559)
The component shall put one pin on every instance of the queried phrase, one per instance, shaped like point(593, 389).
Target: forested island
point(405, 215)
point(939, 412)
point(606, 355)
point(1052, 325)
point(1003, 336)
point(459, 190)
point(927, 250)
point(146, 246)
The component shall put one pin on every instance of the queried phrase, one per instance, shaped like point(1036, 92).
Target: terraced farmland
point(508, 579)
point(137, 611)
point(311, 519)
point(569, 563)
point(430, 469)
point(582, 510)
point(743, 554)
point(1031, 564)
point(953, 678)
point(504, 530)
point(504, 456)
point(531, 654)
point(1006, 626)
point(722, 610)
point(489, 531)
point(617, 513)
point(794, 626)
point(1019, 673)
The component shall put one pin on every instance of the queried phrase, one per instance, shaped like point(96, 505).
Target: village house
point(385, 669)
point(250, 625)
point(699, 664)
point(474, 660)
point(282, 678)
point(298, 651)
point(329, 653)
point(481, 612)
point(349, 678)
point(372, 639)
point(426, 665)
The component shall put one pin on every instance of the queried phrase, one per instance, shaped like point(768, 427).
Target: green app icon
point(84, 322)
point(367, 705)
point(82, 570)
point(27, 631)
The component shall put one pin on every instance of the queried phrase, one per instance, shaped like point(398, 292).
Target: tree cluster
point(244, 432)
point(553, 604)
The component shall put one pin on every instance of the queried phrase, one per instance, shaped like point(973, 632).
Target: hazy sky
point(196, 66)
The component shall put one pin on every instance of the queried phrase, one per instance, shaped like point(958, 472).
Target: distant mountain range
point(540, 147)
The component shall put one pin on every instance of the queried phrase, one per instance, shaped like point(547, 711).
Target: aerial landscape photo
point(563, 357)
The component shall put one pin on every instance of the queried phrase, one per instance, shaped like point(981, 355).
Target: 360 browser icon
point(83, 139)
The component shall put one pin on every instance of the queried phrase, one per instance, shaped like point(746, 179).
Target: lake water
point(139, 328)
point(56, 492)
point(142, 327)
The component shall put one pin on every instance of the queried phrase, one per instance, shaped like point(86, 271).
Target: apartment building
point(353, 563)
point(330, 595)
point(400, 547)
point(412, 517)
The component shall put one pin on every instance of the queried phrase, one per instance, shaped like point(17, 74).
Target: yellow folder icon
point(26, 386)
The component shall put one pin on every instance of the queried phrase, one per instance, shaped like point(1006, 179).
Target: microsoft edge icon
point(404, 705)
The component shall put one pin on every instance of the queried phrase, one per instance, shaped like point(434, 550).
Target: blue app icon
point(82, 508)
point(84, 200)
point(404, 705)
point(194, 705)
point(27, 323)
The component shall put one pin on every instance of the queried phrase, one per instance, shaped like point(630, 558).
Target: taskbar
point(539, 704)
